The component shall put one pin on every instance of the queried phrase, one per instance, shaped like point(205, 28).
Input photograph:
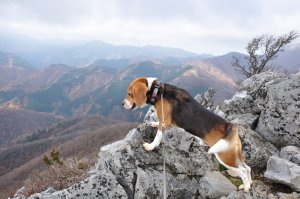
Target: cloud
point(215, 26)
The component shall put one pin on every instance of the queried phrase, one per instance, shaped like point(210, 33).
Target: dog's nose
point(122, 103)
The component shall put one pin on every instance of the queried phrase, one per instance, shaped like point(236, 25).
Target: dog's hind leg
point(232, 165)
point(243, 164)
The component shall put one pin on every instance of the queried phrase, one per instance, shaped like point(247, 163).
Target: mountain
point(12, 68)
point(97, 89)
point(198, 76)
point(289, 59)
point(224, 63)
point(14, 123)
point(81, 53)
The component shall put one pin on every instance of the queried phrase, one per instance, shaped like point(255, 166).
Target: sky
point(200, 26)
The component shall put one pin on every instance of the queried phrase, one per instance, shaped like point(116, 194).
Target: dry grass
point(57, 176)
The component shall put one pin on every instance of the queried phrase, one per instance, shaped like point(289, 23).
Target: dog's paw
point(246, 188)
point(147, 146)
point(241, 187)
point(154, 124)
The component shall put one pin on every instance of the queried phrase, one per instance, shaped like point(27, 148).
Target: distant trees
point(261, 50)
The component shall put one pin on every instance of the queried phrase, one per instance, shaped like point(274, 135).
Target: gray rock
point(256, 83)
point(291, 153)
point(249, 119)
point(279, 121)
point(149, 184)
point(151, 115)
point(206, 98)
point(241, 103)
point(283, 171)
point(216, 185)
point(20, 193)
point(280, 195)
point(256, 151)
point(259, 190)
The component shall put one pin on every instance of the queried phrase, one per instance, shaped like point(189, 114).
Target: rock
point(280, 195)
point(215, 185)
point(206, 98)
point(151, 115)
point(256, 83)
point(279, 121)
point(249, 119)
point(291, 153)
point(241, 103)
point(283, 171)
point(20, 193)
point(256, 151)
point(150, 185)
point(259, 190)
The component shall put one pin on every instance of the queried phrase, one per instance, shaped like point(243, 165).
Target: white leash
point(163, 149)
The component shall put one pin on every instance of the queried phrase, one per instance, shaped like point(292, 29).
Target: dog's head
point(137, 93)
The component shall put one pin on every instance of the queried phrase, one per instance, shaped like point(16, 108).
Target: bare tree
point(261, 50)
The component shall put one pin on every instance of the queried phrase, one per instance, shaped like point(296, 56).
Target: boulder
point(279, 121)
point(291, 153)
point(249, 119)
point(206, 98)
point(20, 193)
point(215, 185)
point(259, 190)
point(280, 195)
point(283, 171)
point(240, 103)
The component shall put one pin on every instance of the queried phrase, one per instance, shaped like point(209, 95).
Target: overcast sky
point(201, 26)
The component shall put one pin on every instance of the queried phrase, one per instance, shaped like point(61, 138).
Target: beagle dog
point(182, 110)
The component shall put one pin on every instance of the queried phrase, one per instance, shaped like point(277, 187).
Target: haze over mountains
point(52, 92)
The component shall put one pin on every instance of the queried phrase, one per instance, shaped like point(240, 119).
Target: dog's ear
point(140, 94)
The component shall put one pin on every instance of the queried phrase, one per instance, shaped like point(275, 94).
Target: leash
point(163, 150)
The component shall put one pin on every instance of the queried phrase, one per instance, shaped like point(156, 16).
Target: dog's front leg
point(157, 140)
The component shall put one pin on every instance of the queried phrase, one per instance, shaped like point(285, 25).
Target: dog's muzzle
point(127, 105)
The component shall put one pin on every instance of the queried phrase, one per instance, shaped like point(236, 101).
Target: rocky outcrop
point(126, 170)
point(270, 104)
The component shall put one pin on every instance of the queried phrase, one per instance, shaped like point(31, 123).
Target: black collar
point(154, 93)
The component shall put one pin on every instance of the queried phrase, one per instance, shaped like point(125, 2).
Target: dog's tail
point(224, 144)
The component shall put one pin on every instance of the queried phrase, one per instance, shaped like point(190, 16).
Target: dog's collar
point(154, 93)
